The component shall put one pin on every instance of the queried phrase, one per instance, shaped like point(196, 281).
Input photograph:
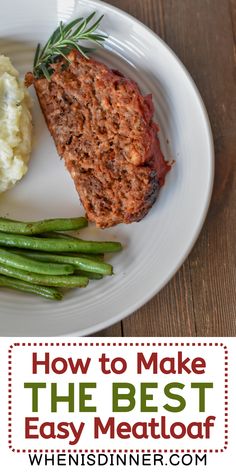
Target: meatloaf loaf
point(103, 129)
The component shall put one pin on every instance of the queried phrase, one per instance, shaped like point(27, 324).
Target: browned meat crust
point(102, 127)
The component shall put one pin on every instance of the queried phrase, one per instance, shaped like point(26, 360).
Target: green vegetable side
point(64, 261)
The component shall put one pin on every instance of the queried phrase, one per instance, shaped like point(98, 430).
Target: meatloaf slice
point(103, 128)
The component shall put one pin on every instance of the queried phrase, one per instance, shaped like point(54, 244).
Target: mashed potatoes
point(15, 126)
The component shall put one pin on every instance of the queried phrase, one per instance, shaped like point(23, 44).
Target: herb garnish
point(63, 40)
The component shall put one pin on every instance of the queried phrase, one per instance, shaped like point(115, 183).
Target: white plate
point(154, 248)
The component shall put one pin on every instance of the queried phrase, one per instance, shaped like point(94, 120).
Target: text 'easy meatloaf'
point(103, 128)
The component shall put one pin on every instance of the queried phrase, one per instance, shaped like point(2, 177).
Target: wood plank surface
point(201, 299)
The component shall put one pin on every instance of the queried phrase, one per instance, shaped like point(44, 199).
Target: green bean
point(43, 256)
point(46, 292)
point(67, 236)
point(93, 257)
point(99, 257)
point(67, 281)
point(19, 262)
point(31, 255)
point(56, 235)
point(58, 245)
point(36, 227)
point(90, 275)
point(81, 263)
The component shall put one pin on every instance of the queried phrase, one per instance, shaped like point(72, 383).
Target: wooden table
point(201, 299)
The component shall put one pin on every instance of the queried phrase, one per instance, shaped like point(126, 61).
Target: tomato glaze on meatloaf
point(103, 129)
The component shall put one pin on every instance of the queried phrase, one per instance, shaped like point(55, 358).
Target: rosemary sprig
point(63, 40)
